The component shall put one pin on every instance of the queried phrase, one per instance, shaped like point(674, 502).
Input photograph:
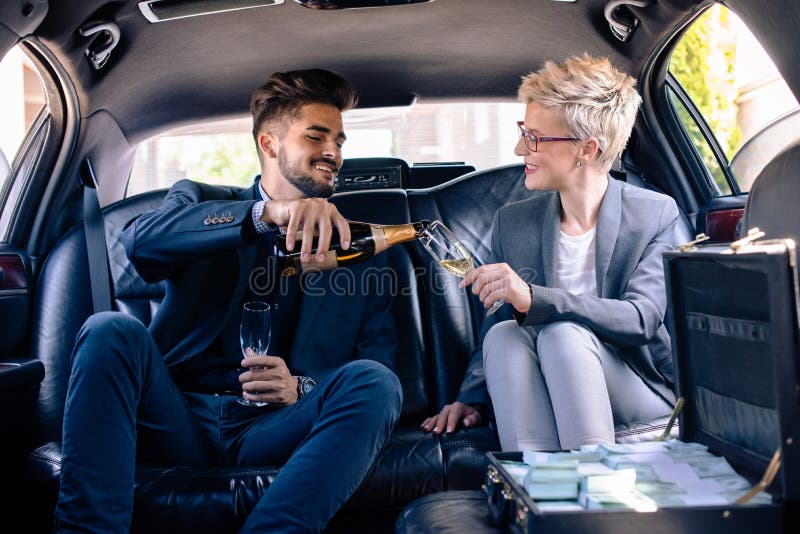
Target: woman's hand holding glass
point(498, 282)
point(450, 253)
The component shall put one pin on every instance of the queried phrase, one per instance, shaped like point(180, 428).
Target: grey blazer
point(634, 227)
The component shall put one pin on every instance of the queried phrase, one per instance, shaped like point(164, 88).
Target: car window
point(21, 99)
point(726, 91)
point(223, 152)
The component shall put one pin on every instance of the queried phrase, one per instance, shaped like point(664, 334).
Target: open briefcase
point(734, 327)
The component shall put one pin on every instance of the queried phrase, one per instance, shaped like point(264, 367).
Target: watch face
point(308, 385)
point(305, 384)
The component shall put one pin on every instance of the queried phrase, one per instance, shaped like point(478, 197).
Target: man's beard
point(302, 181)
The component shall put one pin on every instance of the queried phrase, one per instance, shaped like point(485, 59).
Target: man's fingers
point(308, 239)
point(260, 386)
point(262, 360)
point(295, 218)
point(259, 374)
point(324, 240)
point(343, 227)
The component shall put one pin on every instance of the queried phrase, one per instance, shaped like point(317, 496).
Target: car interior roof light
point(163, 10)
point(355, 4)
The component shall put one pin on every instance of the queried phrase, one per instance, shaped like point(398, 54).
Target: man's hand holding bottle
point(311, 217)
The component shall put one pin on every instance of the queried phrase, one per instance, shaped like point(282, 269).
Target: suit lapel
point(550, 238)
point(608, 222)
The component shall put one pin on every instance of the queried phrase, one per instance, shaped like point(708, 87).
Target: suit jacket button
point(207, 221)
point(215, 220)
point(229, 218)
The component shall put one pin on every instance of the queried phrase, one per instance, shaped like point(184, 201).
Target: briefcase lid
point(732, 318)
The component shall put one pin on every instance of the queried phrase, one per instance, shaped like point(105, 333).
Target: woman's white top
point(576, 271)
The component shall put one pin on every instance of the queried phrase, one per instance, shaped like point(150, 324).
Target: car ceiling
point(181, 70)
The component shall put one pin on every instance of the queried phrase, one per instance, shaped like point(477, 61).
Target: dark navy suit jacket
point(196, 241)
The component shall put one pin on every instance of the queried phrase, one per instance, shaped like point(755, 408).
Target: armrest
point(20, 374)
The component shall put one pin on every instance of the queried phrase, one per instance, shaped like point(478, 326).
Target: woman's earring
point(579, 164)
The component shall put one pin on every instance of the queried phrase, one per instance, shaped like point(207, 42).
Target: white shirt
point(575, 270)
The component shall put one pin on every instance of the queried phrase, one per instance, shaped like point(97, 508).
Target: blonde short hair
point(593, 98)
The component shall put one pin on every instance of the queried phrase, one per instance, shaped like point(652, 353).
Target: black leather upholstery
point(436, 338)
point(467, 206)
point(451, 512)
point(772, 203)
point(437, 333)
point(63, 302)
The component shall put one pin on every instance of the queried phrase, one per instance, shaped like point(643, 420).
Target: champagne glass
point(254, 334)
point(442, 244)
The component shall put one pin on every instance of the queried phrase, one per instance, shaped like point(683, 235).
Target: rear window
point(223, 152)
point(732, 101)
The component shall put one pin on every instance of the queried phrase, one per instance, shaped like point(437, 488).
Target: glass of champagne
point(254, 334)
point(445, 248)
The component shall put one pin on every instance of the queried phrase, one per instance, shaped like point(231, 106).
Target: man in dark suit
point(168, 394)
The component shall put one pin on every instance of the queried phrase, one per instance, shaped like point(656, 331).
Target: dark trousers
point(122, 406)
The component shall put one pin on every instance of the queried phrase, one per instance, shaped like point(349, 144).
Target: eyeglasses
point(532, 140)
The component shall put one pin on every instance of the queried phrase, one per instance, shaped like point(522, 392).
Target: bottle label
point(379, 238)
point(329, 262)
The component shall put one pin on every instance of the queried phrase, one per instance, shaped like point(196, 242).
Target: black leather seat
point(449, 512)
point(436, 338)
point(772, 202)
point(437, 334)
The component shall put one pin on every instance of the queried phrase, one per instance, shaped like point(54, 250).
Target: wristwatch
point(304, 385)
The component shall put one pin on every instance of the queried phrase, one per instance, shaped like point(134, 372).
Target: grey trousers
point(561, 388)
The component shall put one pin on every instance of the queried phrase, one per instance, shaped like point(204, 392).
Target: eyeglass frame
point(526, 136)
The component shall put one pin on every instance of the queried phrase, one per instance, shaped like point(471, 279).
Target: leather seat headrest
point(772, 203)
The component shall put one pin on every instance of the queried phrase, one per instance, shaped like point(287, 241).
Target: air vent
point(162, 10)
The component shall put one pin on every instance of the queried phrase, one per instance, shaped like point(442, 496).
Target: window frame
point(672, 84)
point(53, 134)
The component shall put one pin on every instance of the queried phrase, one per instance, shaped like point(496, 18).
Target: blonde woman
point(588, 348)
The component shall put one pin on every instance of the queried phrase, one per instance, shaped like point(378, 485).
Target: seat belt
point(96, 248)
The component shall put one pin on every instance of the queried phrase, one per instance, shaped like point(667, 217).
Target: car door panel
point(14, 300)
point(724, 224)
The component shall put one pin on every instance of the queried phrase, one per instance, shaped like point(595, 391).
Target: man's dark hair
point(284, 93)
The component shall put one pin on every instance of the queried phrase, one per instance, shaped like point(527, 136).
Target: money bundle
point(638, 476)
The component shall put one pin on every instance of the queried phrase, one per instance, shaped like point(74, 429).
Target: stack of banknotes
point(637, 476)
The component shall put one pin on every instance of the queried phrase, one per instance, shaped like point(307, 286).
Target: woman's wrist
point(525, 301)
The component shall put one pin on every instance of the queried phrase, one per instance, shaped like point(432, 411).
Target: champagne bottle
point(366, 240)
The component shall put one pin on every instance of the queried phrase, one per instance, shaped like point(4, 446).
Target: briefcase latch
point(692, 245)
point(753, 234)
